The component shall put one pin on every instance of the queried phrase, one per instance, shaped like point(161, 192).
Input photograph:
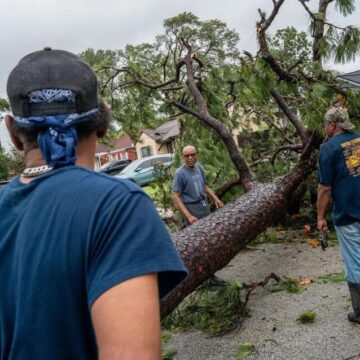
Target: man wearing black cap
point(339, 179)
point(83, 256)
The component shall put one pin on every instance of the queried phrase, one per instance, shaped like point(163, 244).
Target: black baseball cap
point(52, 69)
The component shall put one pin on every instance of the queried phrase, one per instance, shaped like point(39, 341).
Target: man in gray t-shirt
point(190, 189)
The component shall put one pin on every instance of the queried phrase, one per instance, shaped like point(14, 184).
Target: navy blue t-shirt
point(190, 183)
point(339, 167)
point(66, 238)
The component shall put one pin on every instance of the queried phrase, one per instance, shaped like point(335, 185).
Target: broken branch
point(293, 118)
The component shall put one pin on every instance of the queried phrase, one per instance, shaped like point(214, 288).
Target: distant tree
point(4, 105)
point(11, 163)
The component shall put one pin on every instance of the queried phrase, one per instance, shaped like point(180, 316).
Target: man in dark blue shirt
point(84, 257)
point(339, 179)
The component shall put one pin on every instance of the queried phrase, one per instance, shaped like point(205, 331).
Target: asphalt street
point(273, 327)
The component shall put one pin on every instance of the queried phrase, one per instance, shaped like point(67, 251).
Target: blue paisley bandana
point(58, 143)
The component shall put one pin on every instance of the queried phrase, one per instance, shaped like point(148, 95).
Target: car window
point(165, 159)
point(145, 165)
point(113, 163)
point(162, 160)
point(131, 167)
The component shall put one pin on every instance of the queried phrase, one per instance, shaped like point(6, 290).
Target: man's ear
point(9, 120)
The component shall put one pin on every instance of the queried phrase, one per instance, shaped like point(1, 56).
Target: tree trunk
point(319, 28)
point(210, 244)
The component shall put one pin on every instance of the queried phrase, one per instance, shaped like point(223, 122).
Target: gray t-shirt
point(190, 183)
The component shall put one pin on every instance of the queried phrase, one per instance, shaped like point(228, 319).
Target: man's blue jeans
point(349, 240)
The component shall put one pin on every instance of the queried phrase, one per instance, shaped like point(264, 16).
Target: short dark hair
point(97, 122)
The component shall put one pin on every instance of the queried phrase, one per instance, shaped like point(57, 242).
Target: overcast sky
point(76, 25)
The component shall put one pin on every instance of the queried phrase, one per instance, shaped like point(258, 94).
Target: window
point(146, 151)
point(164, 159)
point(145, 164)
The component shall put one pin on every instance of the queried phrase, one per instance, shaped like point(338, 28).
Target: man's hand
point(324, 194)
point(192, 219)
point(322, 225)
point(218, 203)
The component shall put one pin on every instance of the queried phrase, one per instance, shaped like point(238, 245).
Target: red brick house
point(118, 149)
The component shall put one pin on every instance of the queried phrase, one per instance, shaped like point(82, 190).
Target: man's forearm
point(323, 200)
point(181, 205)
point(210, 193)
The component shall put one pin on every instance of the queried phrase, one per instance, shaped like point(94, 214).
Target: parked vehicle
point(114, 166)
point(3, 183)
point(141, 171)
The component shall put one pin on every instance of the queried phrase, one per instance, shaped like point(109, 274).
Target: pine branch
point(261, 27)
point(203, 114)
point(292, 117)
point(220, 192)
point(291, 147)
point(271, 123)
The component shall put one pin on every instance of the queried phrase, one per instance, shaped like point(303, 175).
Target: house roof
point(164, 133)
point(121, 143)
point(351, 80)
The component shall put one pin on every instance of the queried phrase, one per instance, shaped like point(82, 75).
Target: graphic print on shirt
point(351, 151)
point(197, 184)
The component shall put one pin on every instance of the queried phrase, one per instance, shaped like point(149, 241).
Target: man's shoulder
point(200, 168)
point(338, 140)
point(85, 180)
point(180, 170)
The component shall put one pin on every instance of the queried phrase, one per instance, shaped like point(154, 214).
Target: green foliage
point(347, 45)
point(353, 100)
point(160, 191)
point(11, 164)
point(214, 309)
point(340, 44)
point(308, 317)
point(4, 167)
point(244, 350)
point(269, 236)
point(346, 7)
point(289, 285)
point(168, 354)
point(237, 89)
point(165, 336)
point(137, 107)
point(4, 105)
point(161, 188)
point(210, 39)
point(289, 45)
point(340, 277)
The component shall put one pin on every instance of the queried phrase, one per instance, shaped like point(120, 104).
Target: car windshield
point(108, 164)
point(130, 168)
